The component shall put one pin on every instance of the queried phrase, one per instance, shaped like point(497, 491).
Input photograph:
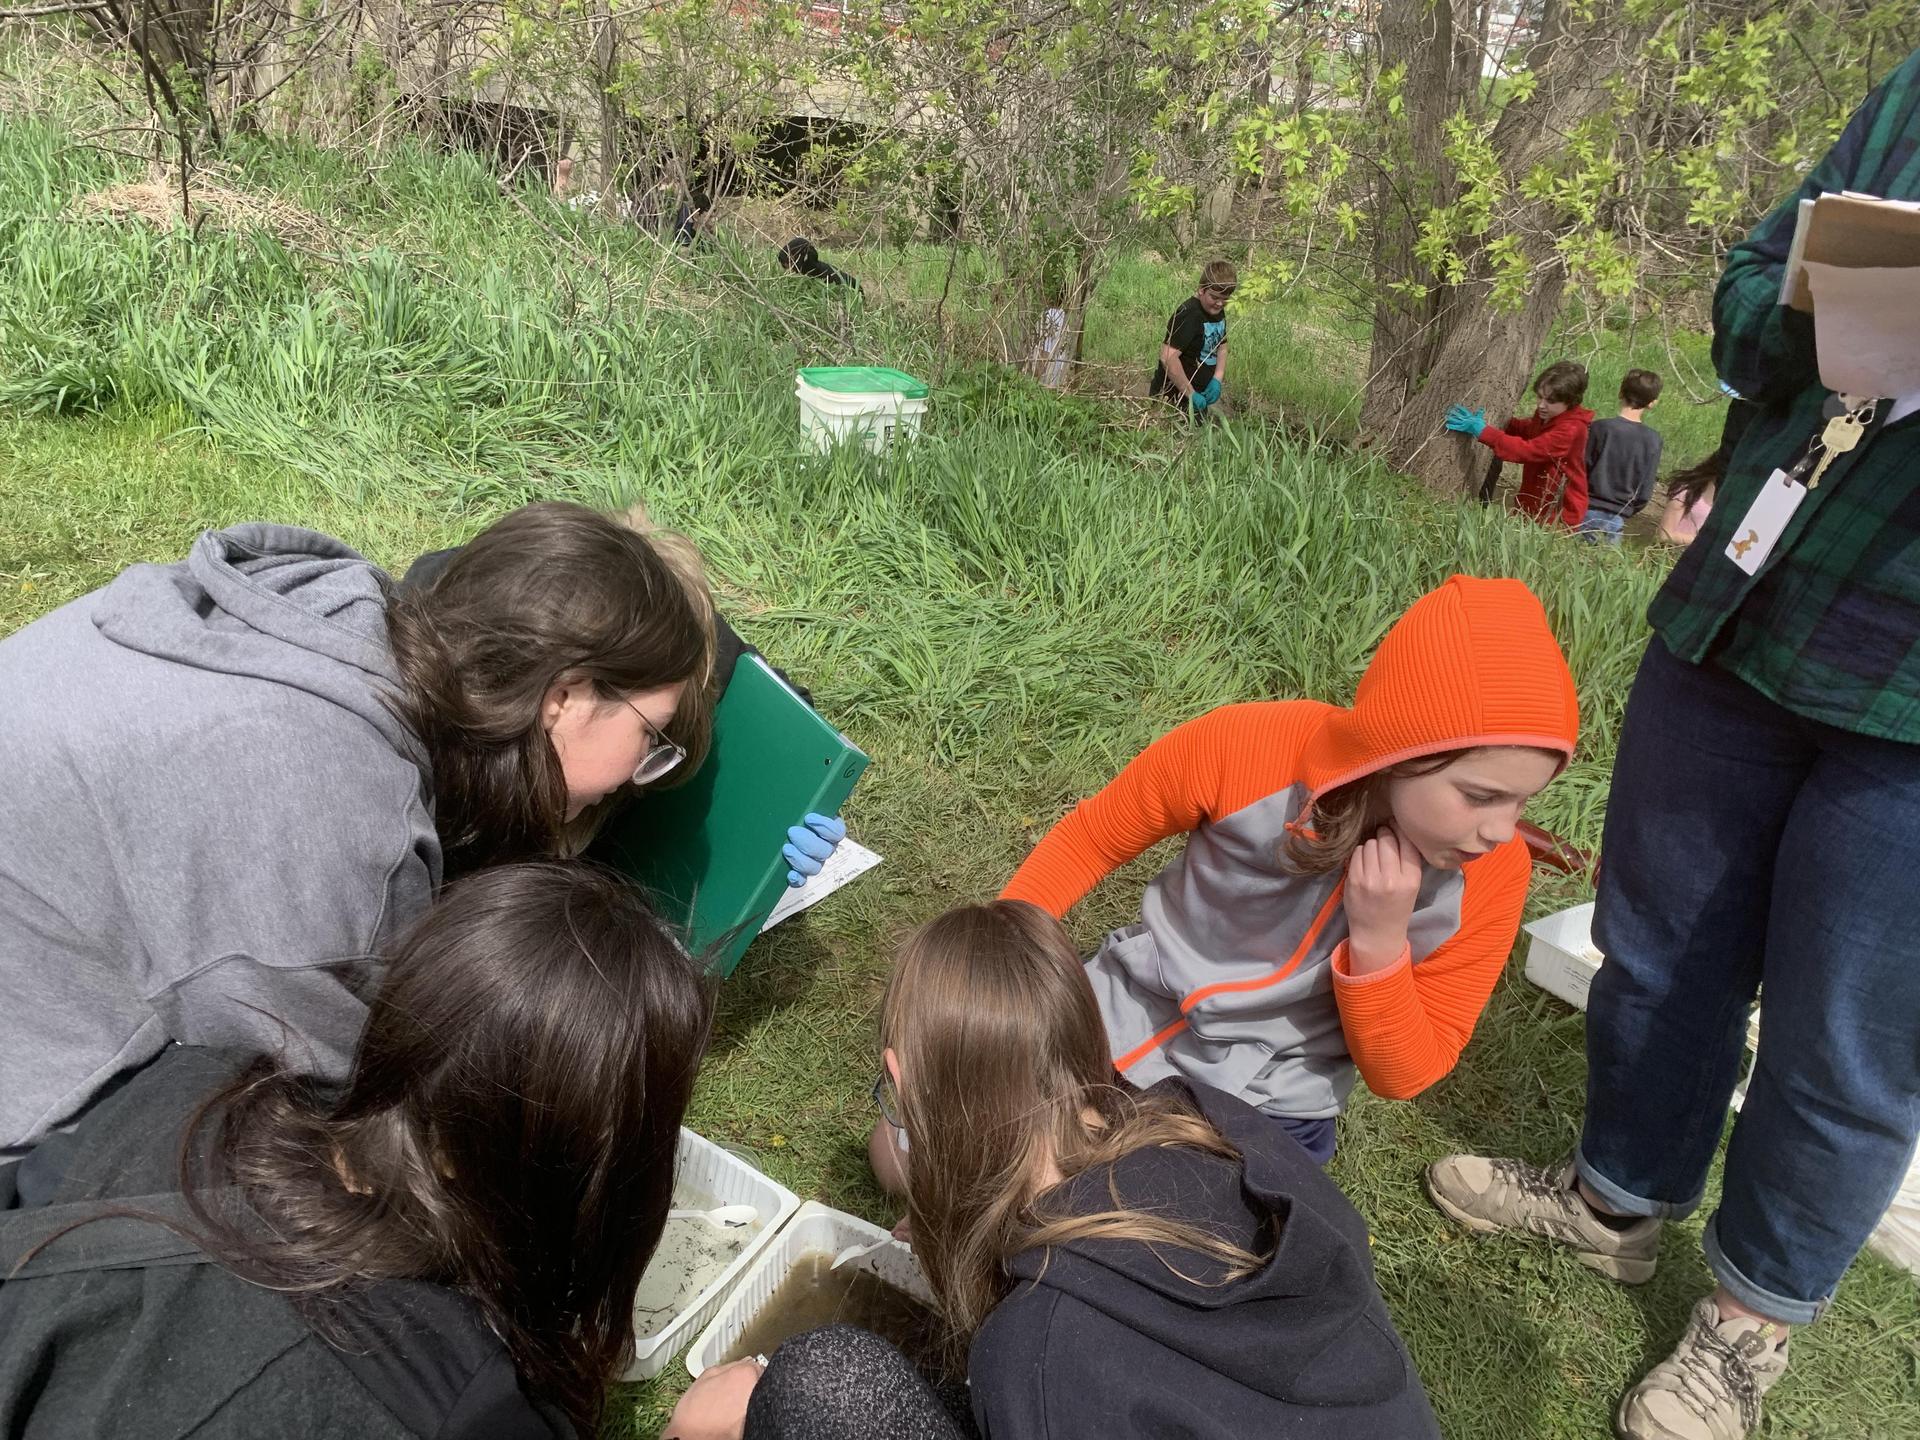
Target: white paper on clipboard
point(849, 861)
point(1866, 327)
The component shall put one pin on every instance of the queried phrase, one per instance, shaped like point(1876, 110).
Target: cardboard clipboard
point(1854, 232)
point(708, 851)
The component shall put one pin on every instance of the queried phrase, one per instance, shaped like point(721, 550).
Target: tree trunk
point(1086, 275)
point(1484, 357)
point(1419, 35)
point(604, 59)
point(1453, 345)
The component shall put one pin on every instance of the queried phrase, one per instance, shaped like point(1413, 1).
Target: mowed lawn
point(1001, 614)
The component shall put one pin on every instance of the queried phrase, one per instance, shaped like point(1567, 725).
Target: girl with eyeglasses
point(233, 779)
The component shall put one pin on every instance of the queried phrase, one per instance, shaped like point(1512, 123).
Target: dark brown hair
point(1564, 382)
point(1323, 839)
point(1004, 1065)
point(1218, 272)
point(552, 592)
point(1639, 389)
point(1697, 480)
point(509, 1128)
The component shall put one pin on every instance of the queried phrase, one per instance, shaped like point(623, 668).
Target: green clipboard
point(708, 851)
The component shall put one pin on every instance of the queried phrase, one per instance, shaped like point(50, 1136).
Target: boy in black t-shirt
point(1193, 357)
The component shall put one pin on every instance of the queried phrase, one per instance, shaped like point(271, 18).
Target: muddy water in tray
point(815, 1294)
point(691, 1256)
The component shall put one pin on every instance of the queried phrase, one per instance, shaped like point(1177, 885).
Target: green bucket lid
point(864, 380)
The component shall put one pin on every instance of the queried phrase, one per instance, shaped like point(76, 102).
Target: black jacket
point(1106, 1340)
point(170, 1350)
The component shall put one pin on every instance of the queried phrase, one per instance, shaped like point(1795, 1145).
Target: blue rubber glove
point(1465, 421)
point(1212, 393)
point(1197, 402)
point(809, 844)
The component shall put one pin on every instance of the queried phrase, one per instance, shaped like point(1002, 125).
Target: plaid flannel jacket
point(1830, 627)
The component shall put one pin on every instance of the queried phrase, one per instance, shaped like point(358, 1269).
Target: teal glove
point(1212, 392)
point(1197, 402)
point(809, 844)
point(1466, 422)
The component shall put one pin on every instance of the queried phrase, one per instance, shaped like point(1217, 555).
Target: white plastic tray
point(814, 1230)
point(1560, 956)
point(705, 1177)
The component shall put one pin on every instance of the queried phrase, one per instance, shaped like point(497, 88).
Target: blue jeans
point(1745, 845)
point(1316, 1137)
point(1599, 528)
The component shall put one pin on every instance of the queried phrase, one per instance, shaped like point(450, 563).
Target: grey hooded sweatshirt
point(210, 819)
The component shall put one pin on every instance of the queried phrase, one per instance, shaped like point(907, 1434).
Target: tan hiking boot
point(1490, 1197)
point(1710, 1387)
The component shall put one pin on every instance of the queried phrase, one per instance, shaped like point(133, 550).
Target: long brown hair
point(552, 593)
point(1696, 480)
point(509, 1128)
point(693, 716)
point(1323, 839)
point(1005, 1066)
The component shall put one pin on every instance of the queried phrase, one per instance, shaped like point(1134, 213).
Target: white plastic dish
point(705, 1177)
point(814, 1230)
point(1561, 958)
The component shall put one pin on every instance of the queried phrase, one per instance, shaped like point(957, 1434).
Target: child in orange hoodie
point(1351, 883)
point(1550, 445)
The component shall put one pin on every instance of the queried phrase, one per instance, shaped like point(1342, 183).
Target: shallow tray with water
point(693, 1252)
point(815, 1294)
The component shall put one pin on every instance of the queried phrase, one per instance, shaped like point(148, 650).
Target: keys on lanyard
point(1843, 432)
point(1766, 520)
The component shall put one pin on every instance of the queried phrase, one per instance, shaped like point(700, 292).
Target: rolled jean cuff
point(1761, 1302)
point(1624, 1202)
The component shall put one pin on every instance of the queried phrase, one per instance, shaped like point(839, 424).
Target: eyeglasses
point(1223, 292)
point(662, 757)
point(888, 1099)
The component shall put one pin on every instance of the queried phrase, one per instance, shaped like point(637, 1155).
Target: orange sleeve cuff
point(1389, 1033)
point(1343, 966)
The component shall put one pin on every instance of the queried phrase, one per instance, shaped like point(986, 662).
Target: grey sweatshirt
point(209, 818)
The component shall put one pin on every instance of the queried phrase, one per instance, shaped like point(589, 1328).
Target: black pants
point(841, 1383)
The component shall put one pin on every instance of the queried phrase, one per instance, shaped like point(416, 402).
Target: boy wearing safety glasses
point(1193, 357)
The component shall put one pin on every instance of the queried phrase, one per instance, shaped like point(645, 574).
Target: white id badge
point(1760, 528)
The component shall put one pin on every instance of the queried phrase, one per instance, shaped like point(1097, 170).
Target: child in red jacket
point(1549, 445)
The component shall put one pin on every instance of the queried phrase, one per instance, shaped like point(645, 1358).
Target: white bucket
point(706, 1177)
point(814, 1230)
point(874, 420)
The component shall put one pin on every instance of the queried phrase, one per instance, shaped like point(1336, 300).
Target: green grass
point(1002, 615)
point(1300, 358)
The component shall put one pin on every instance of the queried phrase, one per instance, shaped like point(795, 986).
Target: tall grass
point(1002, 614)
point(1301, 358)
point(1069, 578)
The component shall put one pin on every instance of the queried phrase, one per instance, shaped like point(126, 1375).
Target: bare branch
point(67, 7)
